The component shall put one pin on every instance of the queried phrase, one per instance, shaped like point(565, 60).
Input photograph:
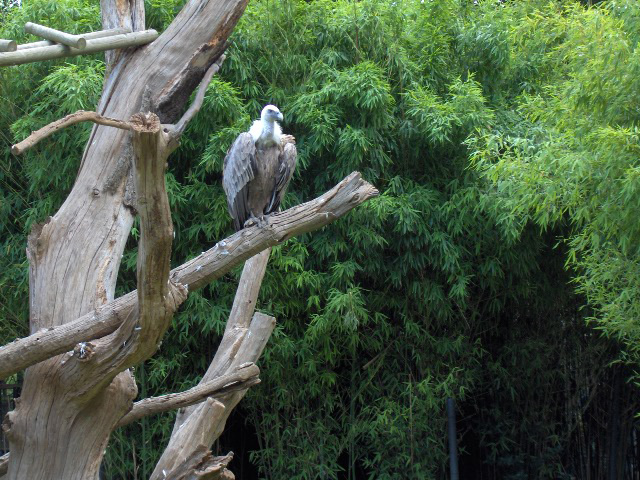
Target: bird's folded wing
point(238, 170)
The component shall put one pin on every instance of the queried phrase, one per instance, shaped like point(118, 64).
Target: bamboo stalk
point(8, 45)
point(86, 36)
point(64, 38)
point(93, 46)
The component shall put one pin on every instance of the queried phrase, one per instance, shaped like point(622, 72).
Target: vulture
point(257, 169)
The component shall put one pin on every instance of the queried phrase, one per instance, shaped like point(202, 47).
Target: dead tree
point(78, 387)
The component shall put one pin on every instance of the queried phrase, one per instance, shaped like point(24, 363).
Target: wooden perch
point(75, 41)
point(243, 378)
point(87, 36)
point(196, 273)
point(8, 45)
point(40, 54)
point(72, 119)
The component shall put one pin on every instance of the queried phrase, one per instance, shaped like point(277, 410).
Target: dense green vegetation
point(499, 266)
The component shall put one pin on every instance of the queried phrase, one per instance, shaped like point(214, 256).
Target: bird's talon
point(250, 222)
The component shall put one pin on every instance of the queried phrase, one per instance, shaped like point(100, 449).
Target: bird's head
point(270, 114)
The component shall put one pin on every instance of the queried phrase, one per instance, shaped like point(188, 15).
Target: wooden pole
point(75, 41)
point(8, 45)
point(86, 36)
point(40, 54)
point(453, 440)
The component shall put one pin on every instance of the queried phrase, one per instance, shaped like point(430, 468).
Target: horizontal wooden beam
point(8, 45)
point(64, 38)
point(87, 36)
point(40, 54)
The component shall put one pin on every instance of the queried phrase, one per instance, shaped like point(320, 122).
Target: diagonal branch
point(72, 119)
point(243, 378)
point(196, 273)
point(179, 127)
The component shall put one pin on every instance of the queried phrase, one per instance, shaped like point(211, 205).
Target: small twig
point(241, 379)
point(72, 119)
point(179, 127)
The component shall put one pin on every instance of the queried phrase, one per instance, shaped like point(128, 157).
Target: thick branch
point(152, 148)
point(195, 273)
point(72, 119)
point(243, 378)
point(243, 341)
point(206, 424)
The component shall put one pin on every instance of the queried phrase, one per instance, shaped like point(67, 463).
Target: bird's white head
point(266, 131)
point(270, 114)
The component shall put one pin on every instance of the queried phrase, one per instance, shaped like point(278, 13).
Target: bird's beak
point(280, 117)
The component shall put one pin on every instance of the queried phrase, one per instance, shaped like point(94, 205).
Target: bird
point(257, 169)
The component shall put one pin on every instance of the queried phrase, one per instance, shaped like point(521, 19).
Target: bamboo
point(40, 54)
point(75, 41)
point(8, 45)
point(86, 36)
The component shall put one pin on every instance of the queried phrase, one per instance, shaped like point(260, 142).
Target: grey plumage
point(255, 177)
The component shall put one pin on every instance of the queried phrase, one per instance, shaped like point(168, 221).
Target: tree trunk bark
point(61, 424)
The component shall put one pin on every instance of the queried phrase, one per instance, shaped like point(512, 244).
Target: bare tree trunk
point(72, 402)
point(61, 425)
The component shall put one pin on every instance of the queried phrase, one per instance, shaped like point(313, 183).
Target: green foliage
point(508, 174)
point(569, 156)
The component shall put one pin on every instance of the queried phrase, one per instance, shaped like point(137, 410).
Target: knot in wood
point(83, 351)
point(145, 122)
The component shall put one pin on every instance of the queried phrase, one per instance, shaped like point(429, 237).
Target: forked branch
point(196, 273)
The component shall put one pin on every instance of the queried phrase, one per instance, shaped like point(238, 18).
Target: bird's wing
point(238, 170)
point(287, 160)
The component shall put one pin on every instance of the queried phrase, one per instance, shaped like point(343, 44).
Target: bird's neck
point(270, 134)
point(267, 129)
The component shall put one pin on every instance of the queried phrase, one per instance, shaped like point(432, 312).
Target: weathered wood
point(241, 379)
point(87, 36)
point(206, 424)
point(196, 273)
point(72, 119)
point(61, 427)
point(40, 54)
point(201, 465)
point(8, 45)
point(116, 14)
point(4, 464)
point(243, 340)
point(75, 41)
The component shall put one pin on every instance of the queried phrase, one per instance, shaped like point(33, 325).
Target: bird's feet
point(260, 221)
point(251, 221)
